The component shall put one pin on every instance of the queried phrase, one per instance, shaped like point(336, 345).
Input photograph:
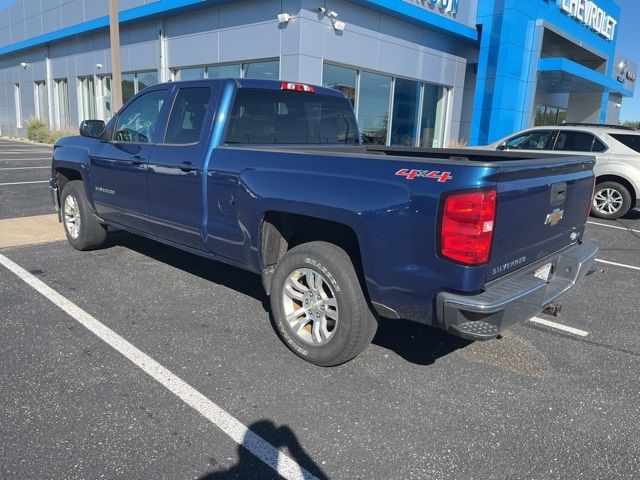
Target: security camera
point(99, 66)
point(24, 65)
point(284, 17)
point(332, 14)
point(338, 25)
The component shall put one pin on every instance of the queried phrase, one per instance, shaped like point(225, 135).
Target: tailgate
point(542, 207)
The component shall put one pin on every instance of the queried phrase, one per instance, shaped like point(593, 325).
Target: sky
point(628, 40)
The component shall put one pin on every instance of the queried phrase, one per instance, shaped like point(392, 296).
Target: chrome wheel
point(310, 306)
point(607, 201)
point(71, 216)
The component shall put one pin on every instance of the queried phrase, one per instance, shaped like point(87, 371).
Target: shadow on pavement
point(219, 273)
point(415, 342)
point(248, 466)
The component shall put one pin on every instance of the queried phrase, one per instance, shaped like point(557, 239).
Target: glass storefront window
point(406, 98)
point(547, 115)
point(418, 110)
point(551, 116)
point(146, 79)
point(224, 71)
point(373, 107)
point(341, 78)
point(128, 86)
point(40, 100)
point(88, 98)
point(61, 103)
point(562, 117)
point(107, 109)
point(132, 83)
point(191, 73)
point(540, 111)
point(434, 114)
point(269, 70)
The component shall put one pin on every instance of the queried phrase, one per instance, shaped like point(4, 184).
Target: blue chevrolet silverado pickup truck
point(273, 177)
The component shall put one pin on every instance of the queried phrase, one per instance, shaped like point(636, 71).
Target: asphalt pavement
point(540, 403)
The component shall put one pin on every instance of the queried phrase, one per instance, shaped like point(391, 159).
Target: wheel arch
point(621, 180)
point(281, 231)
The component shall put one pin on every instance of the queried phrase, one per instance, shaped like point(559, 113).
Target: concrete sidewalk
point(30, 230)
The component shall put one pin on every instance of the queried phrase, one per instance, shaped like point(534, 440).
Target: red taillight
point(297, 87)
point(467, 226)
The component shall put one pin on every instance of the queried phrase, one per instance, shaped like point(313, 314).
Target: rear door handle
point(187, 166)
point(136, 161)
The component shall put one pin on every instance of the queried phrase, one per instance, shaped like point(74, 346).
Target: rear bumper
point(516, 298)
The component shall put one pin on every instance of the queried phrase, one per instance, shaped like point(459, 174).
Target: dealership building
point(419, 72)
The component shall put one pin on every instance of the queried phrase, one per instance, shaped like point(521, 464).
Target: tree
point(632, 124)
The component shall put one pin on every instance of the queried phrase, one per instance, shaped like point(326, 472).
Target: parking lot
point(142, 361)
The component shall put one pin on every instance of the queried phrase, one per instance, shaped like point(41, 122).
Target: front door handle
point(136, 161)
point(187, 166)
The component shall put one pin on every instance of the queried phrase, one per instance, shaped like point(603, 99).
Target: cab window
point(531, 140)
point(188, 115)
point(137, 122)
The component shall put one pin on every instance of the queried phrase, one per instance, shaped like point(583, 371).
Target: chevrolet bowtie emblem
point(554, 217)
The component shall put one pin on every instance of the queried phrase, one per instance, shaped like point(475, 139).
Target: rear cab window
point(629, 140)
point(263, 116)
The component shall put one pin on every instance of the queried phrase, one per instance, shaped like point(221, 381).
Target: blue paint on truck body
point(395, 219)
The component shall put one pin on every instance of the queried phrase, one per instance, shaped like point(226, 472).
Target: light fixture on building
point(622, 65)
point(618, 105)
point(99, 66)
point(24, 65)
point(337, 24)
point(284, 17)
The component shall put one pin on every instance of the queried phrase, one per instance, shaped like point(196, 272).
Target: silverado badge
point(554, 217)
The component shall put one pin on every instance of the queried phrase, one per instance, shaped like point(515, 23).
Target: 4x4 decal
point(432, 174)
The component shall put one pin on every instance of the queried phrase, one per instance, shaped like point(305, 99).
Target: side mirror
point(92, 128)
point(502, 146)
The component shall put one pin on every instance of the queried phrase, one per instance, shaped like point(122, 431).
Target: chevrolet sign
point(591, 15)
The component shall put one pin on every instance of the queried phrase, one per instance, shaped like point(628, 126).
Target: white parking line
point(614, 226)
point(22, 152)
point(559, 326)
point(239, 433)
point(20, 168)
point(42, 159)
point(23, 183)
point(624, 265)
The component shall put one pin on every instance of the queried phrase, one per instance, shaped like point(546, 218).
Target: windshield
point(628, 140)
point(288, 117)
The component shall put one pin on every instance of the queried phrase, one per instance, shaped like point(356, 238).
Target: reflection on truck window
point(187, 115)
point(286, 117)
point(137, 122)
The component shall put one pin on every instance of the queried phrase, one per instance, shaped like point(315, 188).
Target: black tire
point(91, 234)
point(623, 194)
point(356, 325)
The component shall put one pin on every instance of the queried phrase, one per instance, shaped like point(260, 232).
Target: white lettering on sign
point(590, 14)
point(445, 6)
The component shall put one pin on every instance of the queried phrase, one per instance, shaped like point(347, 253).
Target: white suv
point(617, 152)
